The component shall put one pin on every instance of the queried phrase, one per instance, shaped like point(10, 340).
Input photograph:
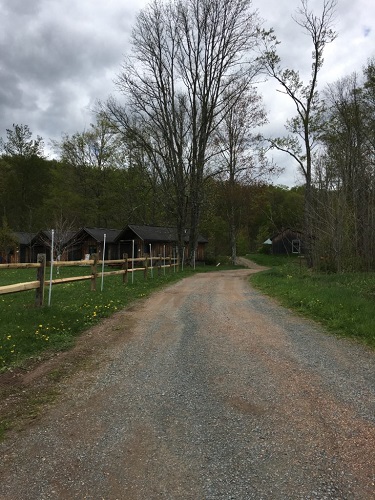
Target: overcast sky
point(58, 57)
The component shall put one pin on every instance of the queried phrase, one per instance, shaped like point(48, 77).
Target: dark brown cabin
point(155, 241)
point(23, 250)
point(90, 240)
point(288, 241)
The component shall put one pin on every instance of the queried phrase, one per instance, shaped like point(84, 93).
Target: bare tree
point(305, 127)
point(96, 148)
point(241, 159)
point(64, 230)
point(185, 55)
point(345, 180)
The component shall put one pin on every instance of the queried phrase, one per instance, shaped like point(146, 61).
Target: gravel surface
point(215, 392)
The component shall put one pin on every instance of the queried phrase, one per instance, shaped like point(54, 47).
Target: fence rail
point(126, 264)
point(19, 265)
point(19, 287)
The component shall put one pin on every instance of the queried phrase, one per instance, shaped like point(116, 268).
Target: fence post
point(145, 272)
point(159, 265)
point(94, 271)
point(40, 276)
point(125, 267)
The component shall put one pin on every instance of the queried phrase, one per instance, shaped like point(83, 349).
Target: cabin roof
point(157, 233)
point(97, 233)
point(287, 233)
point(23, 237)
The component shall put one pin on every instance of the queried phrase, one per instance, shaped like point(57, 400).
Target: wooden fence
point(126, 266)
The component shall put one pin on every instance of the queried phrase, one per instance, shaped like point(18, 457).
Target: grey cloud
point(20, 8)
point(10, 93)
point(366, 31)
point(57, 57)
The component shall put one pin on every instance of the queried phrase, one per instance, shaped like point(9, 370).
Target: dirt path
point(206, 390)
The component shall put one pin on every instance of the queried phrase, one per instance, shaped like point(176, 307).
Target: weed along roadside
point(31, 324)
point(41, 345)
point(342, 302)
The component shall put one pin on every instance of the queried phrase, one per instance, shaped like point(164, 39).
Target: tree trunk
point(233, 243)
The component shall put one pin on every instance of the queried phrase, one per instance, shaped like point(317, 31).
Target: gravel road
point(213, 391)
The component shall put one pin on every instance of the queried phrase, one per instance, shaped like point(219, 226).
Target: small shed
point(156, 238)
point(42, 242)
point(23, 250)
point(90, 240)
point(287, 241)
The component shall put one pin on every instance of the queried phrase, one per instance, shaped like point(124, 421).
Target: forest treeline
point(182, 146)
point(94, 183)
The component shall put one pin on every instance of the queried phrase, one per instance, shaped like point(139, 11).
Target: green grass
point(273, 260)
point(26, 331)
point(343, 303)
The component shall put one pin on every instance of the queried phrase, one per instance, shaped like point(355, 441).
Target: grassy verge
point(343, 303)
point(26, 331)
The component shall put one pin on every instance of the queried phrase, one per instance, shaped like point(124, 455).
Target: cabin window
point(296, 246)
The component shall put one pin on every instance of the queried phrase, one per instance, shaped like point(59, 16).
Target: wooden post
point(40, 276)
point(94, 271)
point(125, 267)
point(159, 265)
point(145, 272)
point(170, 264)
